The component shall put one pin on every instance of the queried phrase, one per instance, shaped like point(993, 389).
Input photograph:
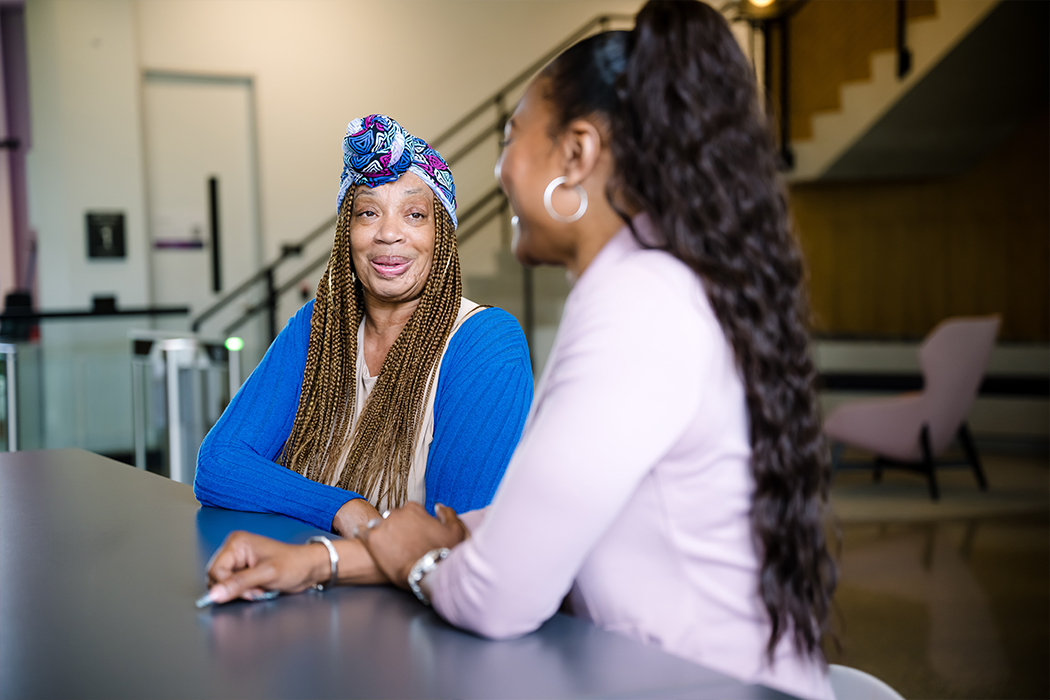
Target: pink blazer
point(630, 488)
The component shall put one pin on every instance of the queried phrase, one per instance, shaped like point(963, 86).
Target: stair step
point(864, 102)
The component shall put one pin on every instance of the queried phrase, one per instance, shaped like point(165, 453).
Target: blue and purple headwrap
point(378, 150)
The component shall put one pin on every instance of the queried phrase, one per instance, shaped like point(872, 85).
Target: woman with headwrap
point(389, 387)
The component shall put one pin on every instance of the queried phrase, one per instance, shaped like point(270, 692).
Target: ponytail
point(693, 150)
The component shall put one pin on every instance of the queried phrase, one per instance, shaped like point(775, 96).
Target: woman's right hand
point(247, 564)
point(356, 513)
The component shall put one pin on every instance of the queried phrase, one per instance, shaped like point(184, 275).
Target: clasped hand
point(246, 565)
point(395, 544)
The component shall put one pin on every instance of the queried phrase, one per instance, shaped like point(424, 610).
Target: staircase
point(862, 104)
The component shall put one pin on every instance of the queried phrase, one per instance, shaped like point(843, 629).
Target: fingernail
point(373, 522)
point(386, 514)
point(212, 596)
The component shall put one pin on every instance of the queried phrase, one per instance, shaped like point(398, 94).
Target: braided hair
point(379, 453)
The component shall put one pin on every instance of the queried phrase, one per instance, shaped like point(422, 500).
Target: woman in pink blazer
point(671, 476)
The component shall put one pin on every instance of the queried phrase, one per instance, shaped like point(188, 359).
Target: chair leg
point(836, 455)
point(927, 461)
point(966, 440)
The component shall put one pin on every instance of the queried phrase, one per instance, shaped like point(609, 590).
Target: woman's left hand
point(248, 564)
point(407, 534)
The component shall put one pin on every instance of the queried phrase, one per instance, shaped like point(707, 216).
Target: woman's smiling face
point(530, 159)
point(392, 232)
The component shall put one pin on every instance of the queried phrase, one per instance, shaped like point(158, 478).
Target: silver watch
point(426, 563)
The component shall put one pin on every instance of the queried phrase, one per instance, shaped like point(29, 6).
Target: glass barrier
point(8, 400)
point(75, 384)
point(180, 387)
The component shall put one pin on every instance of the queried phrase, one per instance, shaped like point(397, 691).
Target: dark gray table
point(100, 564)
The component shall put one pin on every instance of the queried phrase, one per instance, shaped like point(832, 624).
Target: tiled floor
point(957, 607)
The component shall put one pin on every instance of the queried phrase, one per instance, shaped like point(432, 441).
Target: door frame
point(198, 78)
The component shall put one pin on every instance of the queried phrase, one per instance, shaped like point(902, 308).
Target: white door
point(202, 189)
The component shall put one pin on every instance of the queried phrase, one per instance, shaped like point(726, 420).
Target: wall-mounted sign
point(105, 234)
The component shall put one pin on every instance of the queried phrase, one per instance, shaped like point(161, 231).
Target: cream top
point(366, 382)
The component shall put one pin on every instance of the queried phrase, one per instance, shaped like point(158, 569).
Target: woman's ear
point(582, 144)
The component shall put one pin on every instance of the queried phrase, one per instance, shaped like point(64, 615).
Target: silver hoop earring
point(550, 208)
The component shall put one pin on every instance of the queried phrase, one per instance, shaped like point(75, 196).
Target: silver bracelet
point(423, 566)
point(333, 557)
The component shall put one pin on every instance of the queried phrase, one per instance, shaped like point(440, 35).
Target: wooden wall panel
point(830, 43)
point(894, 258)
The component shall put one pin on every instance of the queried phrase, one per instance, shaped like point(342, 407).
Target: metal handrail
point(477, 206)
point(599, 21)
point(287, 251)
point(276, 293)
point(496, 100)
point(464, 234)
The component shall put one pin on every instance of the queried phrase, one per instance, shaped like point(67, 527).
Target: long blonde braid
point(380, 450)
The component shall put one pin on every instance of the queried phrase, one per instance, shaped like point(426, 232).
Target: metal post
point(173, 350)
point(12, 395)
point(174, 427)
point(234, 371)
point(903, 53)
point(787, 156)
point(138, 412)
point(767, 68)
point(271, 303)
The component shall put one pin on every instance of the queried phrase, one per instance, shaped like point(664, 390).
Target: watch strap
point(423, 566)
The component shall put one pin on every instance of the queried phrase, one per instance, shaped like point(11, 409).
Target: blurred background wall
point(913, 135)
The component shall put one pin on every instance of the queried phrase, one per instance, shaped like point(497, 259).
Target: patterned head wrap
point(378, 150)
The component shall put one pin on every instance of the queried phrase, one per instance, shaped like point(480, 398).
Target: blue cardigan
point(483, 396)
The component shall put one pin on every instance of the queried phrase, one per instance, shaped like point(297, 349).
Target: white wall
point(86, 154)
point(316, 64)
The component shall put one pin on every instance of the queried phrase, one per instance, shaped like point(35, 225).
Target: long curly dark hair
point(693, 150)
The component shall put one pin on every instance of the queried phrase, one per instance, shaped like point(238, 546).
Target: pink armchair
point(911, 430)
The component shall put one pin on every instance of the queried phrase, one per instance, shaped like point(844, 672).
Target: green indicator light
point(234, 344)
